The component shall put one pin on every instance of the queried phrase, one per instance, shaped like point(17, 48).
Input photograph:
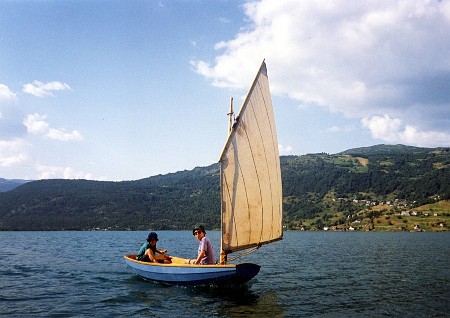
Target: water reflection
point(242, 301)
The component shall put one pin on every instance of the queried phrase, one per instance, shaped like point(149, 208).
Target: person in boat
point(205, 248)
point(150, 253)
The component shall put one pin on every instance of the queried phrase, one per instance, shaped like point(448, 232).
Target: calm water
point(308, 274)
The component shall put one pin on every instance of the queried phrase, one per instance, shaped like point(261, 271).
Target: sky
point(124, 90)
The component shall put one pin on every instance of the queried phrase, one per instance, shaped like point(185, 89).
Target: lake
point(307, 274)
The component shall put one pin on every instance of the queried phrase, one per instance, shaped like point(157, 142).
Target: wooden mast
point(230, 116)
point(231, 119)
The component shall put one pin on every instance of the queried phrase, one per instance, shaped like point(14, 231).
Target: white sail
point(250, 174)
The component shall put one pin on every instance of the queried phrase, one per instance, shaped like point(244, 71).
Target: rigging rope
point(244, 254)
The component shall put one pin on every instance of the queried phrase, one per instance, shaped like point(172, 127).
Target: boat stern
point(246, 271)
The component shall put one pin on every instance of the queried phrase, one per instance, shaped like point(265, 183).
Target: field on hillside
point(431, 218)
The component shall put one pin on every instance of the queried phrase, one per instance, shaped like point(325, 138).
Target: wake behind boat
point(251, 196)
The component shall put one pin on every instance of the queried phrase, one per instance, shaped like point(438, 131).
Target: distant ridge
point(385, 150)
point(6, 185)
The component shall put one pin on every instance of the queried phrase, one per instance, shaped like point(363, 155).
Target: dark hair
point(200, 227)
point(152, 236)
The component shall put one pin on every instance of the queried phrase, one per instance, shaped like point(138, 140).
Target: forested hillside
point(319, 190)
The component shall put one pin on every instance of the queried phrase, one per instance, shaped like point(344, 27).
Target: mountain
point(6, 185)
point(387, 150)
point(319, 190)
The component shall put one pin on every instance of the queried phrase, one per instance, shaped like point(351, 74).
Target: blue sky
point(123, 90)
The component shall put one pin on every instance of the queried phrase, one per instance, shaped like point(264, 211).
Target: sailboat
point(251, 197)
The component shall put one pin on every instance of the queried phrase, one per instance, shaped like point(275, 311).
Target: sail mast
point(231, 119)
point(230, 116)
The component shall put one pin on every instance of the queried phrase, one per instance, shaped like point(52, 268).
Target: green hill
point(357, 188)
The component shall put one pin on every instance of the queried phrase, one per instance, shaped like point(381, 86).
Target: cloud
point(224, 20)
point(36, 124)
point(6, 95)
point(393, 130)
point(285, 150)
point(52, 172)
point(40, 89)
point(337, 129)
point(12, 153)
point(360, 58)
point(60, 134)
point(10, 115)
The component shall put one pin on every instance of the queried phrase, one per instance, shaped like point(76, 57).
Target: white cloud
point(10, 115)
point(393, 130)
point(36, 124)
point(224, 20)
point(61, 134)
point(12, 153)
point(41, 89)
point(285, 150)
point(52, 172)
point(337, 129)
point(358, 58)
point(6, 94)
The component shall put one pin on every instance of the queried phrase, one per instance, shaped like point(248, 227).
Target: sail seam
point(271, 122)
point(265, 157)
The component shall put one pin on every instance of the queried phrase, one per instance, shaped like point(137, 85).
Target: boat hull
point(180, 273)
